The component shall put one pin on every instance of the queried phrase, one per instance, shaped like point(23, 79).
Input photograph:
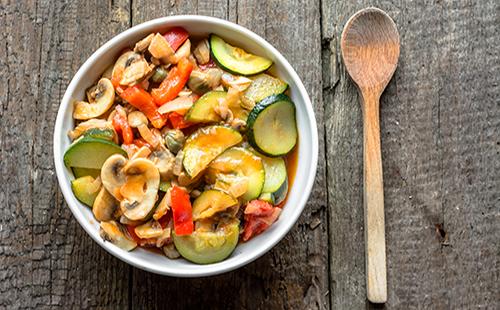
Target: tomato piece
point(120, 123)
point(175, 37)
point(172, 85)
point(259, 215)
point(182, 211)
point(143, 101)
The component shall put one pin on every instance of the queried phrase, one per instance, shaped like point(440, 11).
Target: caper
point(159, 75)
point(174, 140)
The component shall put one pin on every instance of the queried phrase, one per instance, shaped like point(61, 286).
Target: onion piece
point(180, 105)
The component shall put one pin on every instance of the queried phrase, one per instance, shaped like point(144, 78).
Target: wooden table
point(440, 120)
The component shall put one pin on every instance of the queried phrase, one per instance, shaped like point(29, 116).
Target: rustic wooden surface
point(440, 122)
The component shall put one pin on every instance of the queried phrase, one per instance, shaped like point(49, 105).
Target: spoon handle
point(376, 282)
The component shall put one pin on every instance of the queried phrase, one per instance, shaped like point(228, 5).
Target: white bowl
point(307, 157)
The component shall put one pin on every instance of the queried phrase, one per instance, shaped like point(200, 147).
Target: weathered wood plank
point(51, 260)
point(294, 274)
point(469, 114)
point(19, 62)
point(427, 162)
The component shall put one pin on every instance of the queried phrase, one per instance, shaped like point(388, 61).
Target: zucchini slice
point(89, 152)
point(82, 172)
point(276, 184)
point(207, 247)
point(211, 202)
point(235, 59)
point(86, 189)
point(264, 85)
point(239, 172)
point(101, 133)
point(203, 111)
point(205, 144)
point(272, 128)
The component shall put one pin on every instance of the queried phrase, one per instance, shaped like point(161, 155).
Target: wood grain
point(440, 149)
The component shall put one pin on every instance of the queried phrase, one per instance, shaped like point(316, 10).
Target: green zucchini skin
point(259, 111)
point(221, 52)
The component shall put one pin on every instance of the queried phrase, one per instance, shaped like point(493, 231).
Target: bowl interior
point(307, 156)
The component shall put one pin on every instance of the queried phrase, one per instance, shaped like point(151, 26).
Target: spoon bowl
point(370, 50)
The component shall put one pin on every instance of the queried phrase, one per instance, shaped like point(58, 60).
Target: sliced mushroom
point(165, 237)
point(140, 189)
point(160, 48)
point(125, 60)
point(164, 161)
point(170, 251)
point(202, 52)
point(150, 229)
point(136, 71)
point(104, 96)
point(112, 175)
point(104, 206)
point(91, 123)
point(178, 163)
point(163, 206)
point(201, 82)
point(137, 118)
point(143, 44)
point(118, 235)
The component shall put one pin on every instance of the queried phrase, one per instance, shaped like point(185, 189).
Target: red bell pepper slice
point(182, 211)
point(172, 85)
point(120, 123)
point(259, 215)
point(140, 142)
point(143, 101)
point(178, 121)
point(176, 36)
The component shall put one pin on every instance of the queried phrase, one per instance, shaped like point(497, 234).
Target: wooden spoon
point(370, 49)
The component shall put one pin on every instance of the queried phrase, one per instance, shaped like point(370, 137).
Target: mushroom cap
point(104, 206)
point(117, 234)
point(140, 190)
point(112, 175)
point(104, 99)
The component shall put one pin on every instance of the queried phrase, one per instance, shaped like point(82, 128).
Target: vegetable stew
point(185, 145)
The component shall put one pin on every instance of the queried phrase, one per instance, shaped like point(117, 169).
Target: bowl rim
point(204, 270)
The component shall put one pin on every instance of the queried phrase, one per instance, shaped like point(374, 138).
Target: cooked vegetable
point(235, 59)
point(201, 82)
point(202, 52)
point(173, 83)
point(159, 75)
point(174, 139)
point(143, 101)
point(90, 153)
point(176, 36)
point(207, 247)
point(125, 60)
point(205, 144)
point(237, 168)
point(101, 133)
point(259, 215)
point(203, 110)
point(150, 229)
point(86, 189)
point(104, 206)
point(272, 129)
point(182, 211)
point(276, 184)
point(117, 234)
point(120, 123)
point(88, 125)
point(264, 85)
point(165, 168)
point(103, 98)
point(83, 172)
point(210, 202)
point(140, 189)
